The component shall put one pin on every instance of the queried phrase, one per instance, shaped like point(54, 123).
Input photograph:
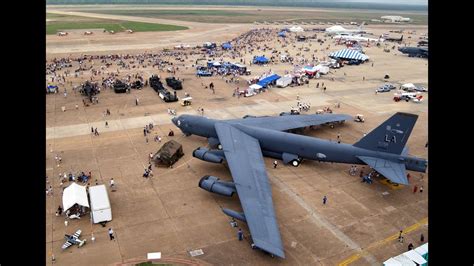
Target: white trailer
point(100, 204)
point(322, 69)
point(283, 82)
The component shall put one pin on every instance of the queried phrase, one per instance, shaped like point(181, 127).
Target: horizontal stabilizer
point(396, 172)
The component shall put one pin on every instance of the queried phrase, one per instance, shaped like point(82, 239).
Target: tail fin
point(391, 136)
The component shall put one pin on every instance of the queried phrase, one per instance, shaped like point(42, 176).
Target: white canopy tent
point(322, 69)
point(255, 87)
point(75, 194)
point(296, 29)
point(406, 261)
point(392, 262)
point(423, 249)
point(414, 256)
point(408, 86)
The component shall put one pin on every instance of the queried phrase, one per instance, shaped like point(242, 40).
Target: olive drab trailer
point(168, 154)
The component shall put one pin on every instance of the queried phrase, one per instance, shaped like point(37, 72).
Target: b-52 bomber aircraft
point(244, 142)
point(73, 240)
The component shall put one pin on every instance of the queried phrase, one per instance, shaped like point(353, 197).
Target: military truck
point(174, 83)
point(155, 83)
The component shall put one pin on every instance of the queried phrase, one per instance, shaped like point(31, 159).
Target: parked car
point(421, 89)
point(386, 88)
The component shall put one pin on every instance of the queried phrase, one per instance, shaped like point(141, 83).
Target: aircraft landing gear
point(295, 163)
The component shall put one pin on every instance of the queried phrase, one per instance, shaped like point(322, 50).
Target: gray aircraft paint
point(277, 142)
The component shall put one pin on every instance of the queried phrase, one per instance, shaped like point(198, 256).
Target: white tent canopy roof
point(404, 260)
point(414, 256)
point(423, 249)
point(75, 194)
point(336, 28)
point(392, 262)
point(296, 29)
point(255, 86)
point(408, 85)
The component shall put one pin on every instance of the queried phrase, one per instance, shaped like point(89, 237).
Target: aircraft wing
point(77, 234)
point(66, 245)
point(245, 160)
point(396, 172)
point(287, 122)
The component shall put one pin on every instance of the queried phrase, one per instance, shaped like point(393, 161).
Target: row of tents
point(76, 202)
point(221, 67)
point(344, 54)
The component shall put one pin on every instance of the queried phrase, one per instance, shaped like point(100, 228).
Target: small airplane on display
point(73, 240)
point(341, 30)
point(415, 51)
point(358, 38)
point(242, 143)
point(390, 39)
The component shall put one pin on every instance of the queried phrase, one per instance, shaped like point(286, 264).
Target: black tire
point(295, 163)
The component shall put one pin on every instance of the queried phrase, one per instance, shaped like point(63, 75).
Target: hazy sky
point(407, 2)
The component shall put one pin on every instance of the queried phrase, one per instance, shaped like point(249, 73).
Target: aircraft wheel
point(295, 163)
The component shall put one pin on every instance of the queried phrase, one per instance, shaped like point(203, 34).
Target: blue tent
point(264, 82)
point(260, 60)
point(226, 46)
point(281, 34)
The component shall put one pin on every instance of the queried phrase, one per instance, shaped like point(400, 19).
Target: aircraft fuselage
point(274, 143)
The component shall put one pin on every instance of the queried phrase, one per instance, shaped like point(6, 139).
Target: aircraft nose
point(175, 121)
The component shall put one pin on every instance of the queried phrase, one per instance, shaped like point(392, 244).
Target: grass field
point(62, 22)
point(250, 16)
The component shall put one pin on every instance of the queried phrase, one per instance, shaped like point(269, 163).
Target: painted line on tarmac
point(318, 219)
point(358, 255)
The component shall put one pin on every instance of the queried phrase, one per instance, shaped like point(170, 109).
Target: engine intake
point(209, 156)
point(213, 184)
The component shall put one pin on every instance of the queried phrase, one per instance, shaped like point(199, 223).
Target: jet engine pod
point(209, 156)
point(237, 215)
point(212, 184)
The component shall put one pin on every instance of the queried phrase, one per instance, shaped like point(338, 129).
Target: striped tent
point(349, 54)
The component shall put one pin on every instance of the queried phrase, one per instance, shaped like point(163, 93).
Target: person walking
point(136, 101)
point(325, 199)
point(106, 124)
point(421, 189)
point(111, 234)
point(415, 188)
point(410, 246)
point(275, 164)
point(400, 237)
point(112, 183)
point(240, 234)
